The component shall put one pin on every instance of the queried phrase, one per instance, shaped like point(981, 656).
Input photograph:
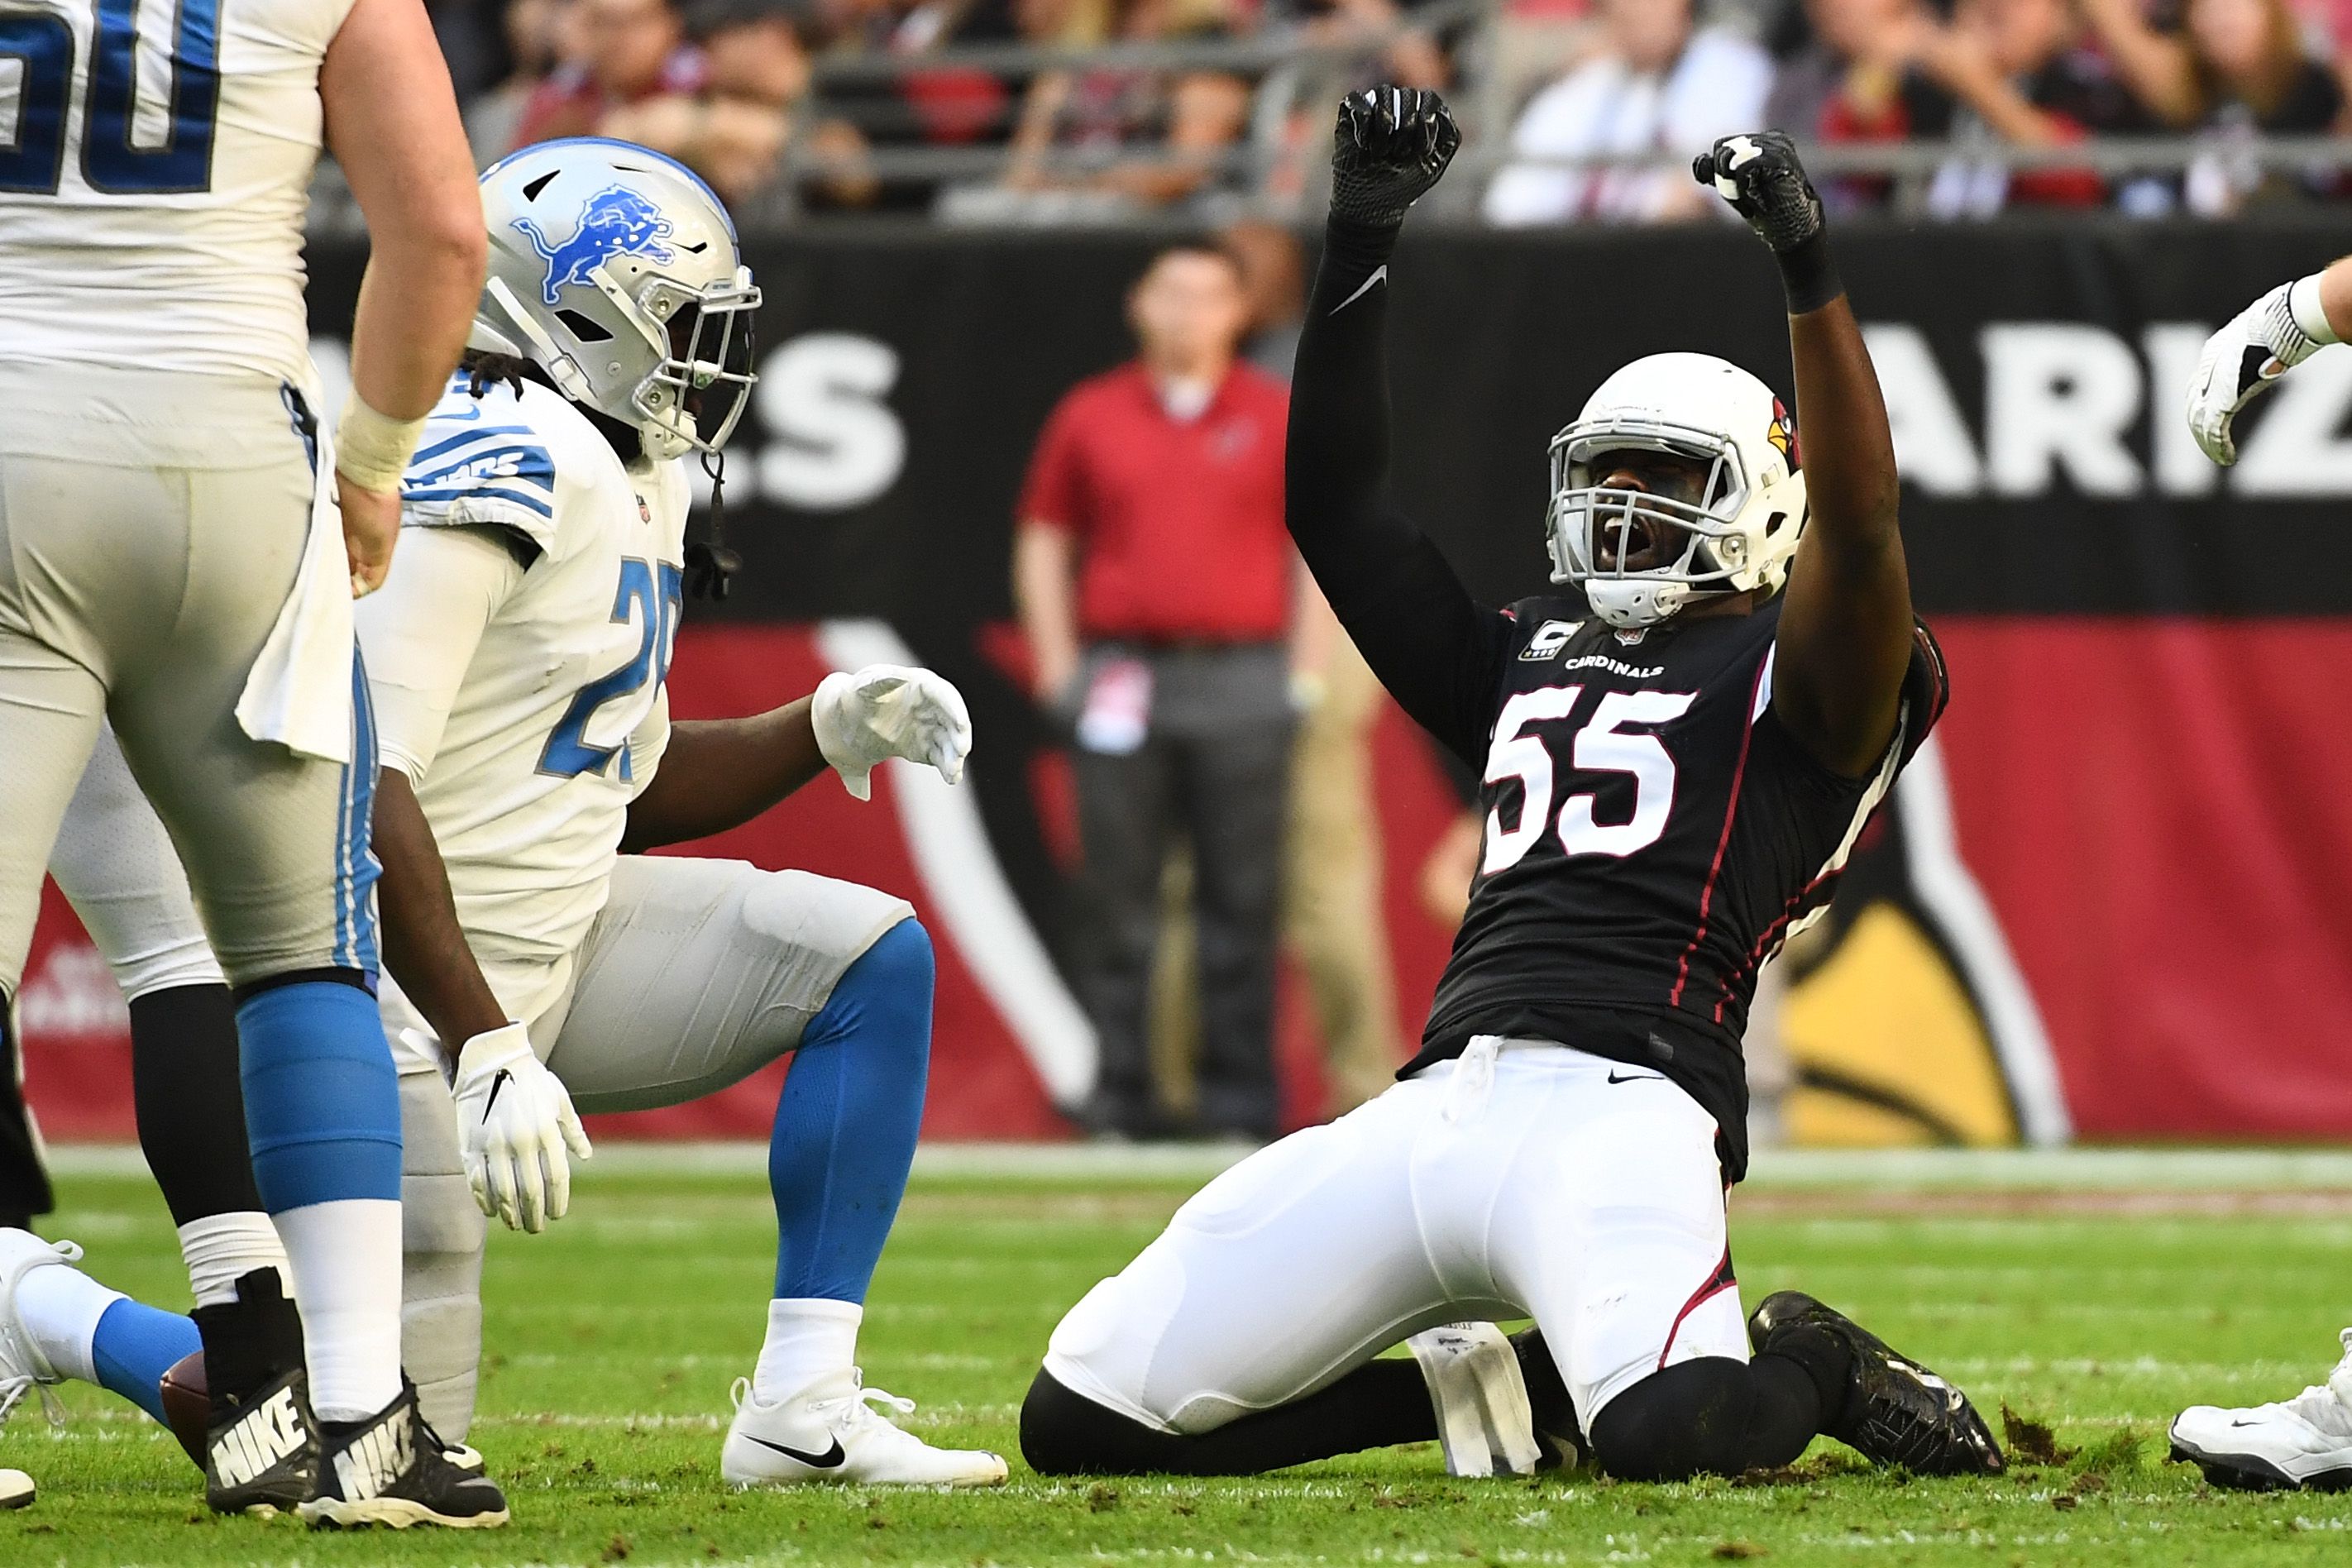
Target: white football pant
point(1519, 1180)
point(116, 865)
point(150, 528)
point(696, 974)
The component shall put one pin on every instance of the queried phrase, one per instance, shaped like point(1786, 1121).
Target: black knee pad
point(1693, 1418)
point(1066, 1434)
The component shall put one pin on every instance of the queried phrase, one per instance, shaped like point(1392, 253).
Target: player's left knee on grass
point(442, 1236)
point(1710, 1416)
point(1064, 1433)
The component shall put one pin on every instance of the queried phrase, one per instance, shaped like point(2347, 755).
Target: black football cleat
point(393, 1469)
point(261, 1444)
point(1896, 1411)
point(1558, 1431)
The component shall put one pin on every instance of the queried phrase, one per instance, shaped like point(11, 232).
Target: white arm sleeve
point(418, 633)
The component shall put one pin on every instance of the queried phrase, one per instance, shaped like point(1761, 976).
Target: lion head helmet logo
point(616, 221)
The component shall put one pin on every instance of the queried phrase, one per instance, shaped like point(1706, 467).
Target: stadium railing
point(1275, 169)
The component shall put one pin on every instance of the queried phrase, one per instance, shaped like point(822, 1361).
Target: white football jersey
point(562, 716)
point(155, 168)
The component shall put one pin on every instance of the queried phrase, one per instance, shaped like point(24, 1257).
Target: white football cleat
point(15, 1490)
point(831, 1434)
point(2304, 1442)
point(1484, 1421)
point(23, 1367)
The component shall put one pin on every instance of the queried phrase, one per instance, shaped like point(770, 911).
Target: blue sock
point(136, 1345)
point(321, 1100)
point(846, 1122)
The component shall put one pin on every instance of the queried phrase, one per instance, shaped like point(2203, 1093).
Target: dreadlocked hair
point(485, 369)
point(709, 562)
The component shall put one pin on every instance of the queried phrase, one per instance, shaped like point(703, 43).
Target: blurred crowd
point(1985, 76)
point(1580, 110)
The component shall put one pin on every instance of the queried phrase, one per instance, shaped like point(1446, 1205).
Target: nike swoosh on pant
point(832, 1458)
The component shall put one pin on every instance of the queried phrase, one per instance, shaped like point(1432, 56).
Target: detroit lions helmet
point(1739, 535)
point(614, 269)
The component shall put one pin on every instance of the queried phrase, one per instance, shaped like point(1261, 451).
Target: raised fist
point(1759, 175)
point(1393, 144)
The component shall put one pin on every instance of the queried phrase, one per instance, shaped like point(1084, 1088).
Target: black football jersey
point(1652, 835)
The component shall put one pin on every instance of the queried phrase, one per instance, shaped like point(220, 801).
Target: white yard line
point(1857, 1170)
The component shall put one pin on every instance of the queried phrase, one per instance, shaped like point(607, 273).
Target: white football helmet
point(1746, 522)
point(614, 269)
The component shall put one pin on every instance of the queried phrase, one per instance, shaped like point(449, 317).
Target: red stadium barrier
point(2154, 809)
point(78, 1047)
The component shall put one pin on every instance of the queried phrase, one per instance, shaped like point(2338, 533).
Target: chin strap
point(709, 564)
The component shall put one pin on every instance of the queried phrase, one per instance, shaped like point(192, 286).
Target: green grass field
point(612, 1340)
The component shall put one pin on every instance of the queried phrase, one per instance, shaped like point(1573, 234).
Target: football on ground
point(2095, 1296)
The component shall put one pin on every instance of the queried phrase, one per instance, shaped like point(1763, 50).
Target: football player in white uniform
point(516, 659)
point(2306, 1441)
point(174, 561)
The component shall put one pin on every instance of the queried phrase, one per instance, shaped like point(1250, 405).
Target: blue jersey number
point(650, 595)
point(45, 43)
point(34, 160)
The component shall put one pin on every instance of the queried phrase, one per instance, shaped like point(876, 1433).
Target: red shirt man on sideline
point(1157, 584)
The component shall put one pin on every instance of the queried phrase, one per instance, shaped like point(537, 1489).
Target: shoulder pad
point(482, 462)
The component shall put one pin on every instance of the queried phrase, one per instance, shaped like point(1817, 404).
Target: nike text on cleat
point(393, 1469)
point(2303, 1442)
point(1896, 1411)
point(1483, 1422)
point(261, 1447)
point(831, 1433)
point(265, 1455)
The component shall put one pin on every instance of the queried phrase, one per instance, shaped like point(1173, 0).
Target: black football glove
point(1759, 175)
point(1394, 142)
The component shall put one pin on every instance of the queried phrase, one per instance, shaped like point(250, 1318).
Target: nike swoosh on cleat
point(832, 1458)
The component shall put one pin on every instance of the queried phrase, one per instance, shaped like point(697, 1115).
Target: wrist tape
point(372, 450)
point(2302, 304)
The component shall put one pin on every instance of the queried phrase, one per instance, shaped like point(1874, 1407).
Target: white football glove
point(2238, 363)
point(890, 711)
point(515, 1121)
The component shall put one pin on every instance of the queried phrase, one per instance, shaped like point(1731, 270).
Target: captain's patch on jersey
point(1549, 639)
